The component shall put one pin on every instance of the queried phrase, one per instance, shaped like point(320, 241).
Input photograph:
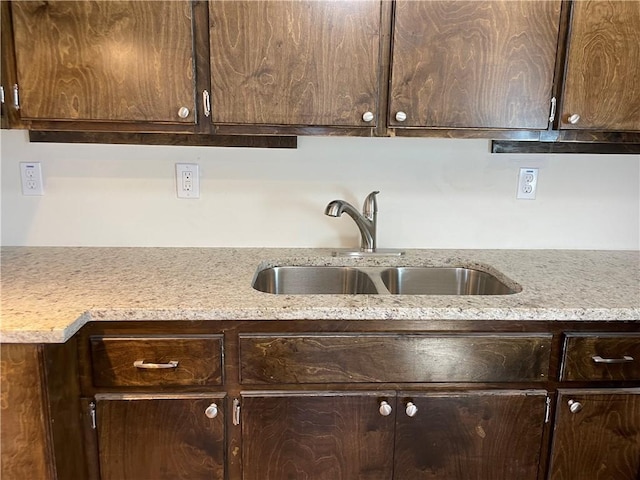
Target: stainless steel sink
point(313, 280)
point(322, 280)
point(442, 281)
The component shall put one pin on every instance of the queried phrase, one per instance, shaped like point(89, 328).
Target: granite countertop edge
point(49, 293)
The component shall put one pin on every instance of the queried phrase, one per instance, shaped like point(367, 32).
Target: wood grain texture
point(473, 64)
point(122, 138)
point(24, 436)
point(9, 116)
point(602, 78)
point(580, 349)
point(507, 146)
point(199, 360)
point(600, 442)
point(66, 421)
point(323, 436)
point(105, 60)
point(393, 358)
point(160, 438)
point(294, 62)
point(470, 436)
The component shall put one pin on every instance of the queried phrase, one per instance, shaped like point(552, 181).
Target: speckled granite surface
point(49, 293)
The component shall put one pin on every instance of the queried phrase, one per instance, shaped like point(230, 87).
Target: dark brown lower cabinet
point(596, 435)
point(484, 435)
point(344, 436)
point(317, 435)
point(156, 437)
point(281, 402)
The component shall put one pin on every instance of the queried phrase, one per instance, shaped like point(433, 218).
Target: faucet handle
point(370, 206)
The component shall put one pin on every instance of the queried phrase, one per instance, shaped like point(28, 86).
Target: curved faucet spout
point(365, 221)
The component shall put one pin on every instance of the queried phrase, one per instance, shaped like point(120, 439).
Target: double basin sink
point(346, 280)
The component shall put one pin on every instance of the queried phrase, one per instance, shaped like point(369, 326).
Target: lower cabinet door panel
point(596, 435)
point(317, 435)
point(469, 435)
point(161, 438)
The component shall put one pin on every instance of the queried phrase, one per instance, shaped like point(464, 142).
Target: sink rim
point(374, 274)
point(356, 282)
point(487, 283)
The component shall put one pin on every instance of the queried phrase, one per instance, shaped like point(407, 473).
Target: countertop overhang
point(49, 293)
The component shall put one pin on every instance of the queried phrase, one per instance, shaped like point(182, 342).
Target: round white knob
point(401, 116)
point(183, 112)
point(411, 409)
point(385, 409)
point(574, 118)
point(211, 411)
point(574, 407)
point(367, 116)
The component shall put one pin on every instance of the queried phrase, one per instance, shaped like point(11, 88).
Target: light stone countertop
point(48, 293)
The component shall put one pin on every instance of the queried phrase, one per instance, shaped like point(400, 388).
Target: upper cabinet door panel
point(105, 60)
point(294, 62)
point(473, 64)
point(602, 81)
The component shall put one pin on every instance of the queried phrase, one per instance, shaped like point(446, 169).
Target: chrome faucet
point(366, 221)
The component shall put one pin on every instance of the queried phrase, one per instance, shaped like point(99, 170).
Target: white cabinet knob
point(574, 118)
point(411, 409)
point(183, 112)
point(367, 116)
point(401, 116)
point(574, 407)
point(211, 411)
point(385, 409)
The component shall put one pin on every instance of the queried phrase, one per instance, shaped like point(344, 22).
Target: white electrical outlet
point(527, 183)
point(31, 176)
point(187, 180)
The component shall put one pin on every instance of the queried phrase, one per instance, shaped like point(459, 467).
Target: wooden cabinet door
point(602, 79)
point(25, 435)
point(294, 62)
point(480, 64)
point(597, 435)
point(105, 60)
point(9, 117)
point(470, 435)
point(160, 438)
point(318, 435)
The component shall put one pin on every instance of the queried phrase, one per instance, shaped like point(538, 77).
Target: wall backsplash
point(435, 193)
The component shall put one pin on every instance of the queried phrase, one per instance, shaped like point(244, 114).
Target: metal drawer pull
point(625, 359)
point(141, 364)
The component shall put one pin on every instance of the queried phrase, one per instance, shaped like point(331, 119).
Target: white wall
point(435, 193)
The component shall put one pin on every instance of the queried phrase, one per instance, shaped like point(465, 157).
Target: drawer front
point(393, 358)
point(156, 361)
point(601, 357)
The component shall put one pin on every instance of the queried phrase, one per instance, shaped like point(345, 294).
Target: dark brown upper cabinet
point(602, 78)
point(105, 61)
point(473, 64)
point(295, 63)
point(490, 68)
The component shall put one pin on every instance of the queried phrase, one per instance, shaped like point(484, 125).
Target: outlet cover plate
point(187, 180)
point(31, 176)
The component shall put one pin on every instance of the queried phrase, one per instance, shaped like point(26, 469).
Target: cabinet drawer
point(601, 357)
point(393, 358)
point(156, 360)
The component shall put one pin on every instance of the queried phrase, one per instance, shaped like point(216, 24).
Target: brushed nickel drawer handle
point(624, 359)
point(142, 364)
